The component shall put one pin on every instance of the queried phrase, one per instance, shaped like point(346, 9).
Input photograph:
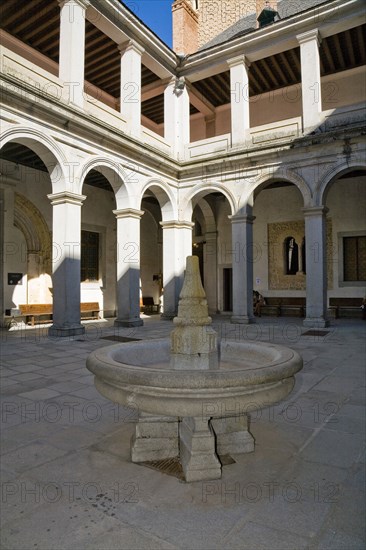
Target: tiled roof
point(285, 8)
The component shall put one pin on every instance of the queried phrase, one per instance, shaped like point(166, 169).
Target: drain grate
point(120, 339)
point(170, 466)
point(173, 467)
point(315, 332)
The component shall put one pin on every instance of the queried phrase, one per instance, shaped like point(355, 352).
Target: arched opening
point(157, 272)
point(98, 239)
point(151, 254)
point(28, 169)
point(345, 198)
point(212, 243)
point(278, 239)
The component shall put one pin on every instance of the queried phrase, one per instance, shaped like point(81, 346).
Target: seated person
point(258, 302)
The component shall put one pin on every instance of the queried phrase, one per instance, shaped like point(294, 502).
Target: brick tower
point(196, 22)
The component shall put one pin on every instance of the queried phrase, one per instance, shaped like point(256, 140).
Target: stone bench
point(345, 307)
point(284, 306)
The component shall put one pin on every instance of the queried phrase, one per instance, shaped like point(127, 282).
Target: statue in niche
point(291, 256)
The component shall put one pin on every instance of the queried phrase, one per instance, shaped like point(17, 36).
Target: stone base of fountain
point(194, 391)
point(198, 443)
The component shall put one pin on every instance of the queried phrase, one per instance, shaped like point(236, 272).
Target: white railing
point(344, 116)
point(209, 146)
point(154, 140)
point(276, 131)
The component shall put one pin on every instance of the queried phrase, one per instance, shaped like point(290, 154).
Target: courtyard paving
point(68, 482)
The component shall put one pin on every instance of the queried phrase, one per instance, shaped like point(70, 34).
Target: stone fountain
point(193, 393)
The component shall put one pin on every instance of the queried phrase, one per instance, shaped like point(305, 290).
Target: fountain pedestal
point(194, 392)
point(197, 449)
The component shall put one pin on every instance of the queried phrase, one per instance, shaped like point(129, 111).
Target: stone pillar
point(176, 116)
point(310, 78)
point(66, 254)
point(130, 102)
point(177, 245)
point(72, 48)
point(197, 450)
point(239, 90)
point(128, 267)
point(210, 270)
point(242, 264)
point(316, 267)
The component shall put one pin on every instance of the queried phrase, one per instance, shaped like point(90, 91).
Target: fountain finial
point(194, 342)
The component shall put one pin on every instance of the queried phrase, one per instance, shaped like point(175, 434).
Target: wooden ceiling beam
point(46, 38)
point(328, 55)
point(361, 43)
point(271, 75)
point(36, 30)
point(279, 70)
point(199, 101)
point(350, 48)
point(339, 51)
point(288, 67)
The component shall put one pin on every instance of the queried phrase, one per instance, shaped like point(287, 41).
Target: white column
point(310, 78)
point(239, 90)
point(176, 116)
point(210, 270)
point(177, 245)
point(242, 264)
point(130, 104)
point(72, 48)
point(316, 267)
point(128, 267)
point(66, 254)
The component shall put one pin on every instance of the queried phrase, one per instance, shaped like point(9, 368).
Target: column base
point(242, 319)
point(232, 435)
point(316, 322)
point(168, 316)
point(155, 438)
point(128, 323)
point(197, 450)
point(72, 330)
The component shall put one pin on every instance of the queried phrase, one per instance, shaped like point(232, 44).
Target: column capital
point(239, 60)
point(241, 218)
point(131, 45)
point(66, 197)
point(308, 36)
point(128, 213)
point(82, 3)
point(315, 211)
point(177, 224)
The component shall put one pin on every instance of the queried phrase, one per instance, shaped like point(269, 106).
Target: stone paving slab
point(68, 482)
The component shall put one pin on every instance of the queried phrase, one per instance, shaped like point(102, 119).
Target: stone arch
point(331, 175)
point(29, 220)
point(198, 192)
point(164, 197)
point(262, 181)
point(115, 175)
point(48, 151)
point(210, 222)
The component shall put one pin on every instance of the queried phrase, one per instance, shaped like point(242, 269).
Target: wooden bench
point(33, 312)
point(36, 311)
point(148, 305)
point(345, 307)
point(289, 306)
point(89, 307)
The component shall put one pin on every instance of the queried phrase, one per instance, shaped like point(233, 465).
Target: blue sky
point(157, 14)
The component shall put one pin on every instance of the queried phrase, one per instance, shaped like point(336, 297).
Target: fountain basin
point(250, 376)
